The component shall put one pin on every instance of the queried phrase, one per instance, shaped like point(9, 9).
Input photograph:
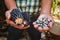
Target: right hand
point(7, 15)
point(45, 27)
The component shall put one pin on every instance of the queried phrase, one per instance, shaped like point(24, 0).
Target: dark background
point(3, 24)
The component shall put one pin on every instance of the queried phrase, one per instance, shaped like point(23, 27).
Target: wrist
point(13, 8)
point(45, 13)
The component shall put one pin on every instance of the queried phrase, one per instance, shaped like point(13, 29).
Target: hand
point(7, 15)
point(45, 27)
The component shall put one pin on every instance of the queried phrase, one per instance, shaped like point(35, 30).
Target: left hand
point(45, 28)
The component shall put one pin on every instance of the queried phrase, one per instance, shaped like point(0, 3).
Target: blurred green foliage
point(54, 4)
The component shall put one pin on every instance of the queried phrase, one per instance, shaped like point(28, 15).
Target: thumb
point(35, 25)
point(7, 14)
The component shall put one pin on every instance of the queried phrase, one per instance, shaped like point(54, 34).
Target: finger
point(35, 25)
point(50, 25)
point(40, 29)
point(11, 23)
point(25, 22)
point(22, 26)
point(45, 28)
point(19, 26)
point(7, 14)
point(26, 27)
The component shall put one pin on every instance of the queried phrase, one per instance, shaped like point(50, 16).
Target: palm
point(44, 22)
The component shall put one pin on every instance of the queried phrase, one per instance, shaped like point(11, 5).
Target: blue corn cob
point(16, 13)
